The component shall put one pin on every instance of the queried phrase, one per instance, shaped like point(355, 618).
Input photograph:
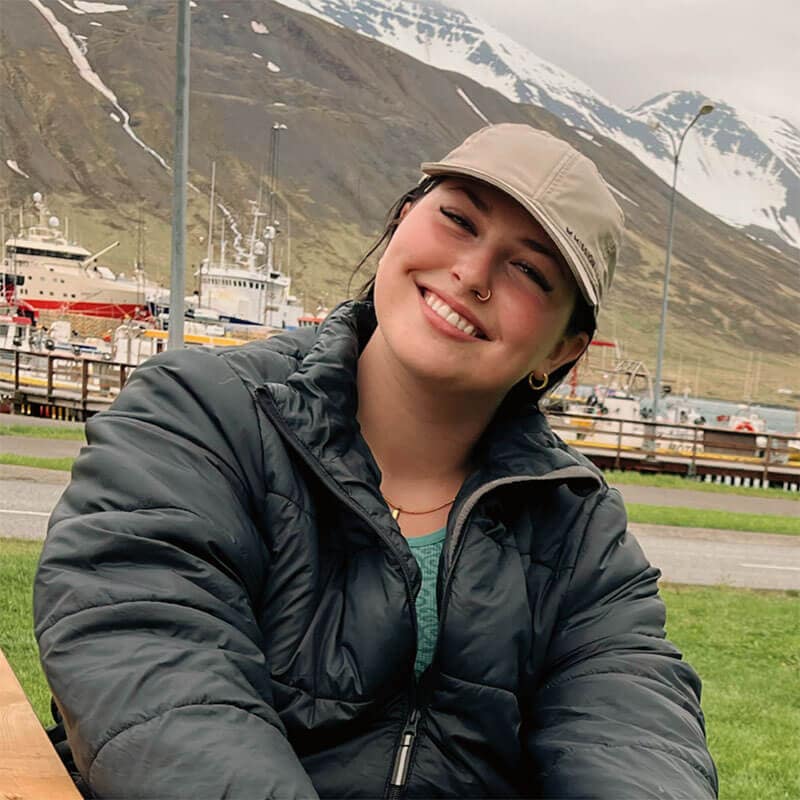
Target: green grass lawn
point(17, 564)
point(746, 647)
point(72, 432)
point(705, 518)
point(40, 462)
point(632, 478)
point(744, 644)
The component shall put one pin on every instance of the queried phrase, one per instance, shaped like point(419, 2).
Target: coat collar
point(319, 401)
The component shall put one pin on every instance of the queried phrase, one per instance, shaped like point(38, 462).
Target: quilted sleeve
point(618, 715)
point(143, 599)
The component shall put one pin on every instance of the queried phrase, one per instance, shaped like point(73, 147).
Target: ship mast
point(210, 251)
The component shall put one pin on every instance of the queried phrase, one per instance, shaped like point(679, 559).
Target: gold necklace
point(397, 511)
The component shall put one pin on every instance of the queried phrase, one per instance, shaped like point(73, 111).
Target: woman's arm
point(144, 595)
point(618, 715)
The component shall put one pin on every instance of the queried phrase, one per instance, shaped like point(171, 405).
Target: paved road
point(32, 446)
point(27, 497)
point(684, 555)
point(36, 422)
point(719, 501)
point(729, 558)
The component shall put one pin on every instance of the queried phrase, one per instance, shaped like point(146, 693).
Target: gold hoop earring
point(537, 387)
point(482, 299)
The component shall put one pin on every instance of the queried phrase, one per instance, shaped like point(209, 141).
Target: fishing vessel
point(47, 272)
point(252, 289)
point(618, 409)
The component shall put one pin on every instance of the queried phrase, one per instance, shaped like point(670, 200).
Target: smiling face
point(462, 239)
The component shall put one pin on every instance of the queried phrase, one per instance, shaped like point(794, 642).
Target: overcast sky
point(746, 52)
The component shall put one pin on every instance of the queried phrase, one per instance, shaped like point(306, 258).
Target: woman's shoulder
point(270, 360)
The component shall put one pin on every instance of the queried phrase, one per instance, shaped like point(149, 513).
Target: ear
point(569, 348)
point(404, 210)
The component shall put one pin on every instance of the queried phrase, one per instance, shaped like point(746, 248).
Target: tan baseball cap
point(560, 187)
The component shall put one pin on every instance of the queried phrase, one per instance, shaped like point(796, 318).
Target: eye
point(459, 220)
point(534, 274)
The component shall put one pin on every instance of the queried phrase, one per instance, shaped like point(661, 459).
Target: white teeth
point(446, 313)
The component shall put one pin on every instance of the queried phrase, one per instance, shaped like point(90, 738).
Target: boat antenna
point(256, 215)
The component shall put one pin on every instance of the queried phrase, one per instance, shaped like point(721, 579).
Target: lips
point(452, 313)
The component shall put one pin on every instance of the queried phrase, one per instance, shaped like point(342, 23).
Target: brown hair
point(582, 319)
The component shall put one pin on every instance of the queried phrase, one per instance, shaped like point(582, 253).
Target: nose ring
point(481, 298)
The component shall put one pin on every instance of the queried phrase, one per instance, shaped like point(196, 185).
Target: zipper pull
point(403, 758)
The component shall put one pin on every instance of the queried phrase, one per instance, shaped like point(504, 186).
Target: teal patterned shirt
point(427, 550)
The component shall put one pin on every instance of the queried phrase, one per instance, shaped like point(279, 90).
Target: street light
point(706, 108)
point(277, 127)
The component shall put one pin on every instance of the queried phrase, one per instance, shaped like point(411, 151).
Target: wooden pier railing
point(40, 383)
point(746, 457)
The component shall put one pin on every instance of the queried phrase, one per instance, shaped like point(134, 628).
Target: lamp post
point(706, 108)
point(277, 127)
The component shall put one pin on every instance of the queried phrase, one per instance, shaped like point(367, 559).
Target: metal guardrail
point(677, 447)
point(61, 379)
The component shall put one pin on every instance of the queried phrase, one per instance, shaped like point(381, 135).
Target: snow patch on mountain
point(273, 67)
point(12, 165)
point(98, 8)
point(588, 137)
point(305, 8)
point(463, 95)
point(81, 41)
point(70, 8)
point(91, 77)
point(779, 134)
point(259, 27)
point(622, 195)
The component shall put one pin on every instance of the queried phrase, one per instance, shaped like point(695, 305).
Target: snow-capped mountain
point(740, 166)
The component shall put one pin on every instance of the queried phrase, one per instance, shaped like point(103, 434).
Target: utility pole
point(177, 286)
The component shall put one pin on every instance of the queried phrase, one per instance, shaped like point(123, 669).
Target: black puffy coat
point(225, 607)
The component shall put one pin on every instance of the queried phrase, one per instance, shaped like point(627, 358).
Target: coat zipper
point(402, 759)
point(405, 750)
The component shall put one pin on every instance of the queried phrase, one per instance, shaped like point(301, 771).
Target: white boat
point(20, 331)
point(43, 269)
point(134, 342)
point(249, 293)
point(618, 410)
point(252, 289)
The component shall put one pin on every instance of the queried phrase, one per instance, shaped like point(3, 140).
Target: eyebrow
point(475, 199)
point(483, 206)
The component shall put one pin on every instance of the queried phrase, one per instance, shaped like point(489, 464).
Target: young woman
point(357, 562)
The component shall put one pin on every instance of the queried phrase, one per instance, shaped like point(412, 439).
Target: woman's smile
point(445, 318)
